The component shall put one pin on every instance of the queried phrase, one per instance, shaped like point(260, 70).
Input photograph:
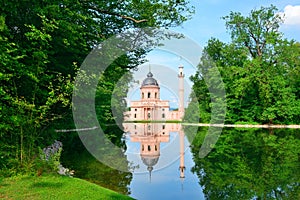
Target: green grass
point(54, 187)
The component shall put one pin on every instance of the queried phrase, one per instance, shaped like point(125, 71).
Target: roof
point(150, 161)
point(149, 80)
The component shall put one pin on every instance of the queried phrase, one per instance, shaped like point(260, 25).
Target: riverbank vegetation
point(42, 46)
point(44, 43)
point(260, 70)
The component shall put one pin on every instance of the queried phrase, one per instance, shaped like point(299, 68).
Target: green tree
point(256, 69)
point(43, 44)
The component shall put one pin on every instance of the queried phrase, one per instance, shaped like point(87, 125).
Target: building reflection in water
point(150, 136)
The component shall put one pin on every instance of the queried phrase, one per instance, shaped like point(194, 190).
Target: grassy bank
point(53, 187)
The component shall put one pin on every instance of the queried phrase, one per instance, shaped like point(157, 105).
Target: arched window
point(163, 115)
point(163, 126)
point(149, 115)
point(155, 95)
point(155, 148)
point(142, 95)
point(149, 148)
point(142, 147)
point(149, 94)
point(134, 115)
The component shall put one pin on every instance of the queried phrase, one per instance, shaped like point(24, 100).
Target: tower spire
point(181, 166)
point(150, 170)
point(181, 91)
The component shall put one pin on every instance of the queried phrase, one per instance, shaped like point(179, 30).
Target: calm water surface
point(244, 164)
point(157, 175)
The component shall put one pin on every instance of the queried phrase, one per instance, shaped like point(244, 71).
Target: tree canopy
point(43, 43)
point(260, 70)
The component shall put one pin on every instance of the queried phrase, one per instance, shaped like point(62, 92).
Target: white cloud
point(291, 15)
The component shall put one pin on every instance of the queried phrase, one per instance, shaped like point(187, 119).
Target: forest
point(260, 72)
point(43, 44)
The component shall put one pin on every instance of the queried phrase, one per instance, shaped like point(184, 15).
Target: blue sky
point(206, 23)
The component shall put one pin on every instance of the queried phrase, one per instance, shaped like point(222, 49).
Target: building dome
point(150, 161)
point(149, 80)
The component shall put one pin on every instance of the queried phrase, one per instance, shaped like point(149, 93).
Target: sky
point(206, 23)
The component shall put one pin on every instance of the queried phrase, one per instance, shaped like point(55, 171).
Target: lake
point(164, 163)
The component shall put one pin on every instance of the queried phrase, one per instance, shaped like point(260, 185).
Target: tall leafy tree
point(43, 44)
point(255, 68)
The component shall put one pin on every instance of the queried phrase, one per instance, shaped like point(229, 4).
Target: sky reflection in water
point(165, 181)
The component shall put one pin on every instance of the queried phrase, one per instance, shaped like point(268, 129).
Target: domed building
point(150, 106)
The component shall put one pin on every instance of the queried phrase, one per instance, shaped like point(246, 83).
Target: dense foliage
point(42, 45)
point(260, 70)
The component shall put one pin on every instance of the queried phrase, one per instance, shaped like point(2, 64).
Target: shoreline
point(293, 126)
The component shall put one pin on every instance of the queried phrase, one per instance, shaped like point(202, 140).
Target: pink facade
point(150, 136)
point(150, 106)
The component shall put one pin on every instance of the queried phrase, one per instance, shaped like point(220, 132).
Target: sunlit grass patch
point(53, 187)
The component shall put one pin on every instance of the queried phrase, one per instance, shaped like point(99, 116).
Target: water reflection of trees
point(250, 164)
point(76, 156)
